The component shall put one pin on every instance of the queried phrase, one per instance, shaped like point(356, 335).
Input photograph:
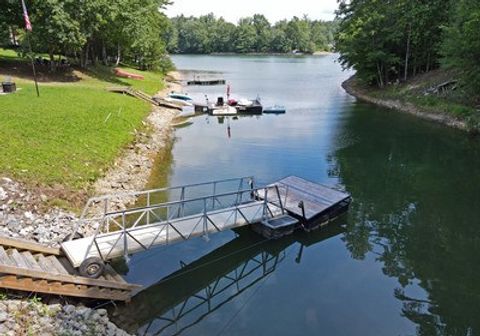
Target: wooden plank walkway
point(316, 198)
point(143, 96)
point(32, 267)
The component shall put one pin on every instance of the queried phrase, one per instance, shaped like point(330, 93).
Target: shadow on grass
point(23, 69)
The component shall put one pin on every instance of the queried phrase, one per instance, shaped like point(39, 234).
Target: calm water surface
point(403, 261)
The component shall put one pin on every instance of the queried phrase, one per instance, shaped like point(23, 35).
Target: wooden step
point(31, 261)
point(4, 258)
point(43, 262)
point(24, 245)
point(17, 258)
point(57, 265)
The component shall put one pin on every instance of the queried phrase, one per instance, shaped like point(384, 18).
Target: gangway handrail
point(144, 192)
point(188, 200)
point(233, 211)
point(105, 199)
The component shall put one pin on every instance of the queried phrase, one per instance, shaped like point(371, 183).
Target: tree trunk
point(85, 56)
point(119, 54)
point(104, 53)
point(407, 53)
point(379, 76)
point(52, 60)
point(427, 69)
point(94, 56)
point(13, 36)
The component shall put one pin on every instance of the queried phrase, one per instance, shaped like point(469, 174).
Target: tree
point(55, 30)
point(207, 34)
point(461, 48)
point(263, 32)
point(390, 41)
point(246, 37)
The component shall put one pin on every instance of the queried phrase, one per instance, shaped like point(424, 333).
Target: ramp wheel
point(92, 267)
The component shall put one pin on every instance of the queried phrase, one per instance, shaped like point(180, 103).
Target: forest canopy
point(388, 42)
point(209, 34)
point(91, 31)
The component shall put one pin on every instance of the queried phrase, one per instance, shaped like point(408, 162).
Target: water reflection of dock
point(187, 296)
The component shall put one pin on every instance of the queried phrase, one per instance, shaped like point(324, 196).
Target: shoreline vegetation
point(208, 34)
point(316, 53)
point(417, 57)
point(411, 98)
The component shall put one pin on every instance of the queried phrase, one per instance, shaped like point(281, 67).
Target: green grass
point(73, 132)
point(9, 54)
point(152, 83)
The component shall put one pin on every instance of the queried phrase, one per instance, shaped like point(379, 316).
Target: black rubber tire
point(77, 235)
point(92, 267)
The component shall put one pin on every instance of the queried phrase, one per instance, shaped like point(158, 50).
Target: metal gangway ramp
point(200, 209)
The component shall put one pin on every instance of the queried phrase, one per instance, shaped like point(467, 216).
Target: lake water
point(405, 259)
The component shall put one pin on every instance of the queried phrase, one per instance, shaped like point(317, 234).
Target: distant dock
point(210, 82)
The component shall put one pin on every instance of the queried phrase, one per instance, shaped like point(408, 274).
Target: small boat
point(180, 96)
point(249, 106)
point(187, 111)
point(182, 122)
point(179, 102)
point(223, 110)
point(275, 109)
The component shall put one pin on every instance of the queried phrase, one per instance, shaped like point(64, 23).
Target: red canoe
point(122, 73)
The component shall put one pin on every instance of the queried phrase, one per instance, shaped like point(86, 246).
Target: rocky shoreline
point(24, 216)
point(351, 88)
point(31, 317)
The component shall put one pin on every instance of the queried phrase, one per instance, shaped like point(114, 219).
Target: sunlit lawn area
point(73, 131)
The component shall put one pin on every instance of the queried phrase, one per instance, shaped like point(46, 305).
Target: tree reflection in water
point(417, 209)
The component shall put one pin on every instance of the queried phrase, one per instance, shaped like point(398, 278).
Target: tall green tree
point(55, 29)
point(461, 48)
point(389, 41)
point(246, 37)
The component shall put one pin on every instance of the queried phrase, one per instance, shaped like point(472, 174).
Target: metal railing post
point(214, 193)
point(265, 204)
point(280, 199)
point(125, 240)
point(148, 205)
point(205, 216)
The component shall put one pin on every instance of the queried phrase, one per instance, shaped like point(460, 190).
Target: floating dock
point(311, 204)
point(207, 82)
point(80, 267)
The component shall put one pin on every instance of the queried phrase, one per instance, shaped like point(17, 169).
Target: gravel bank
point(18, 318)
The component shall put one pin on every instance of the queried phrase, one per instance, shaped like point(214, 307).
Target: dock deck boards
point(315, 197)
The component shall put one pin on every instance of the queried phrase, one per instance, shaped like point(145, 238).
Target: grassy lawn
point(74, 130)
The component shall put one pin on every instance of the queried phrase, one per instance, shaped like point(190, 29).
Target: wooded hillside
point(207, 34)
point(389, 42)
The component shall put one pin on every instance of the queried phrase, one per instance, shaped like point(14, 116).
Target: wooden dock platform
point(311, 203)
point(31, 267)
